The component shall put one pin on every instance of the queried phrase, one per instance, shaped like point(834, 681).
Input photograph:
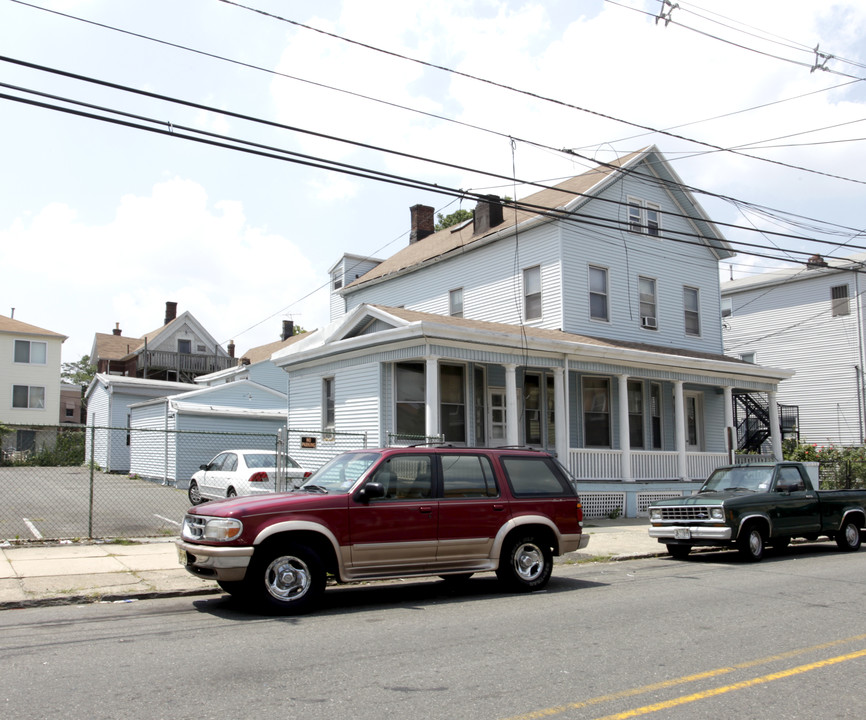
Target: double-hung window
point(653, 220)
point(27, 351)
point(455, 303)
point(532, 293)
point(452, 407)
point(328, 404)
point(648, 303)
point(644, 217)
point(691, 310)
point(410, 408)
point(598, 303)
point(635, 413)
point(596, 412)
point(635, 215)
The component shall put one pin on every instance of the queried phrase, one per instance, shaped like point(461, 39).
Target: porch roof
point(348, 336)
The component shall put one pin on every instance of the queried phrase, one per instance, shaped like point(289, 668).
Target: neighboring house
point(71, 407)
point(108, 398)
point(29, 382)
point(180, 350)
point(256, 365)
point(172, 436)
point(590, 329)
point(809, 320)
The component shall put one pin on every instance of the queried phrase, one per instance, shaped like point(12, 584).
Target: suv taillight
point(259, 477)
point(579, 512)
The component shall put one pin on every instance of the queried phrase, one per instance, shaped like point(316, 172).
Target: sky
point(101, 223)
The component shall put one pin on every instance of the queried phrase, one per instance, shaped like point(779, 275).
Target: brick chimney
point(422, 222)
point(816, 261)
point(117, 330)
point(488, 214)
point(170, 312)
point(288, 330)
point(231, 348)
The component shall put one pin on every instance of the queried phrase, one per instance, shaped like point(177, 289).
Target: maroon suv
point(390, 513)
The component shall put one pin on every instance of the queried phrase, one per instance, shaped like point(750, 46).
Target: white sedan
point(243, 472)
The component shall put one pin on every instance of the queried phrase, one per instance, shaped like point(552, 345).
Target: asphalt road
point(709, 637)
point(55, 502)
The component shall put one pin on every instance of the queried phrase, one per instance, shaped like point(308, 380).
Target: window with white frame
point(653, 220)
point(328, 404)
point(635, 413)
point(455, 303)
point(598, 302)
point(839, 303)
point(409, 399)
point(532, 293)
point(28, 397)
point(27, 351)
point(596, 412)
point(635, 215)
point(452, 406)
point(692, 310)
point(647, 292)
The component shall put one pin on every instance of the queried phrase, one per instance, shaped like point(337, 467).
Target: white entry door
point(496, 417)
point(694, 414)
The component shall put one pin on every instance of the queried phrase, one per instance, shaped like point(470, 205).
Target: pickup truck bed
point(749, 506)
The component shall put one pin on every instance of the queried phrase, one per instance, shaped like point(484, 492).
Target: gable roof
point(565, 197)
point(10, 325)
point(785, 275)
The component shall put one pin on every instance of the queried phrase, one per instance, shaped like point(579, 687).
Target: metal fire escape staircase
point(752, 421)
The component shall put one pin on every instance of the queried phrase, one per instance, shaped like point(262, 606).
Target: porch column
point(680, 431)
point(730, 433)
point(512, 412)
point(775, 432)
point(624, 434)
point(560, 413)
point(431, 395)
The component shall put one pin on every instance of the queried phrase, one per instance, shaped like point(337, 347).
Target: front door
point(496, 417)
point(694, 414)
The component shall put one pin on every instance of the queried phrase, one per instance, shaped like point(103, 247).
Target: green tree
point(446, 221)
point(80, 372)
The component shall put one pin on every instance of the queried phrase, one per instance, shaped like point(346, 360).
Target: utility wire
point(538, 96)
point(282, 126)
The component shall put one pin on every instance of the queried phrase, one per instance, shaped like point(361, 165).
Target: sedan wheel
point(231, 492)
point(194, 494)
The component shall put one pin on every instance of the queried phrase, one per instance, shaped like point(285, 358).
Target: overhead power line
point(282, 126)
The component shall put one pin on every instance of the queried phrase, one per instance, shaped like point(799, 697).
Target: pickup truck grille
point(685, 512)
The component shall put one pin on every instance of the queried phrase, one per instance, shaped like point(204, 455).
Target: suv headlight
point(655, 513)
point(717, 513)
point(202, 527)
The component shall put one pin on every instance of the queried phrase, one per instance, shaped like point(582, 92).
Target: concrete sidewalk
point(72, 573)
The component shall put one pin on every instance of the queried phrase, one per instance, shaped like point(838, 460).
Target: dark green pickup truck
point(750, 506)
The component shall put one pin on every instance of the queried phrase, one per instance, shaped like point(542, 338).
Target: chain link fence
point(72, 482)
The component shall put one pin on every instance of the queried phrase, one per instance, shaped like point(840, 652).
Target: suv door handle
point(498, 508)
point(425, 509)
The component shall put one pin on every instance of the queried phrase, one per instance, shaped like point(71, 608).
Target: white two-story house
point(809, 320)
point(585, 322)
point(29, 383)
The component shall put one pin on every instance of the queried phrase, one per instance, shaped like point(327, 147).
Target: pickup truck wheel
point(750, 543)
point(525, 564)
point(848, 537)
point(194, 493)
point(288, 579)
point(680, 552)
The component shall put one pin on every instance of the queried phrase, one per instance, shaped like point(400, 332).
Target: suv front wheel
point(288, 579)
point(525, 564)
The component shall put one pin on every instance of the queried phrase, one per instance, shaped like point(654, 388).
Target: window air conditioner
point(647, 322)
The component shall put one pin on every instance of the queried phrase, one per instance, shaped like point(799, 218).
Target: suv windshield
point(339, 475)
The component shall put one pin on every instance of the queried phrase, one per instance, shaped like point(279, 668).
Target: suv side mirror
point(371, 491)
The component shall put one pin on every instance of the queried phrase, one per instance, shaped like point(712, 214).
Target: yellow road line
point(684, 699)
point(549, 712)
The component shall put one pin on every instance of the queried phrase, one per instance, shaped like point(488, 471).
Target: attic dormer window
point(338, 282)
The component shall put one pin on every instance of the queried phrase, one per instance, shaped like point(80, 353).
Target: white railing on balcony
point(645, 464)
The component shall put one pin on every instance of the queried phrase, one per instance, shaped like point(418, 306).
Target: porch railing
point(645, 465)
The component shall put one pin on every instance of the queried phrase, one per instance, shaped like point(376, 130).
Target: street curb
point(96, 599)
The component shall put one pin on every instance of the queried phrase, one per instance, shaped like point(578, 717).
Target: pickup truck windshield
point(338, 476)
point(756, 479)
